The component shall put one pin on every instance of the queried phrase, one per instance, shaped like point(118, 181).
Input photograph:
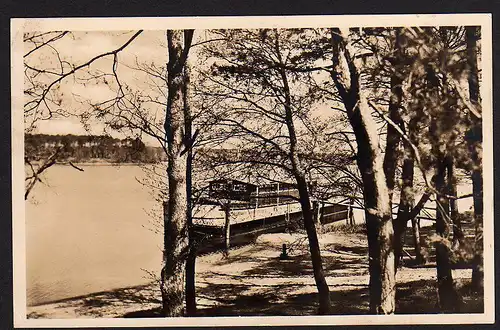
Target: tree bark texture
point(378, 211)
point(189, 142)
point(176, 240)
point(191, 259)
point(314, 248)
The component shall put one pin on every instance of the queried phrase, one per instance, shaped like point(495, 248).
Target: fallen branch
point(76, 167)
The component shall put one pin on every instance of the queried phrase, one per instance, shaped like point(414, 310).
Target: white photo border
point(19, 25)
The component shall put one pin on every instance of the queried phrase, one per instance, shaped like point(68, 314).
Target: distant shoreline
point(99, 163)
point(102, 164)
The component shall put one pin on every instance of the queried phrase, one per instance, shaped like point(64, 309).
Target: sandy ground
point(254, 281)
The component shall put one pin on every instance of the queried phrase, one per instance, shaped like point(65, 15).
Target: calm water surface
point(88, 232)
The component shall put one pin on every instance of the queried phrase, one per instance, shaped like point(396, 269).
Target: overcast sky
point(78, 48)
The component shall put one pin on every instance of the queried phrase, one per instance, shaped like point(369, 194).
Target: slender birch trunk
point(176, 241)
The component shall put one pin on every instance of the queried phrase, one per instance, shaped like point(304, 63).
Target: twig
point(475, 110)
point(407, 139)
point(74, 166)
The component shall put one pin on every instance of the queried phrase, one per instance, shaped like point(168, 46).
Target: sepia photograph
point(252, 170)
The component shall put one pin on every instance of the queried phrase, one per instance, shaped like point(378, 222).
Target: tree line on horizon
point(84, 148)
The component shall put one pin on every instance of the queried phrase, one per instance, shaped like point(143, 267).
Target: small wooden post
point(287, 218)
point(284, 253)
point(350, 214)
point(227, 227)
point(321, 212)
point(257, 197)
point(315, 208)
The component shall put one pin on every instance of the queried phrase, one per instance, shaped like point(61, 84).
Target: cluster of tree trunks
point(377, 169)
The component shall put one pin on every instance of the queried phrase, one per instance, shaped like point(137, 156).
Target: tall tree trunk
point(391, 156)
point(378, 213)
point(176, 241)
point(370, 163)
point(448, 298)
point(305, 202)
point(191, 259)
point(474, 141)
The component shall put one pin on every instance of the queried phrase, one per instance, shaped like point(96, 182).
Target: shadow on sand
point(98, 304)
point(416, 297)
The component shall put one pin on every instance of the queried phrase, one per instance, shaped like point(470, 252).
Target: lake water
point(89, 231)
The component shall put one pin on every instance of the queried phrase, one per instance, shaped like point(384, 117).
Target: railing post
point(287, 218)
point(257, 197)
point(321, 213)
point(278, 194)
